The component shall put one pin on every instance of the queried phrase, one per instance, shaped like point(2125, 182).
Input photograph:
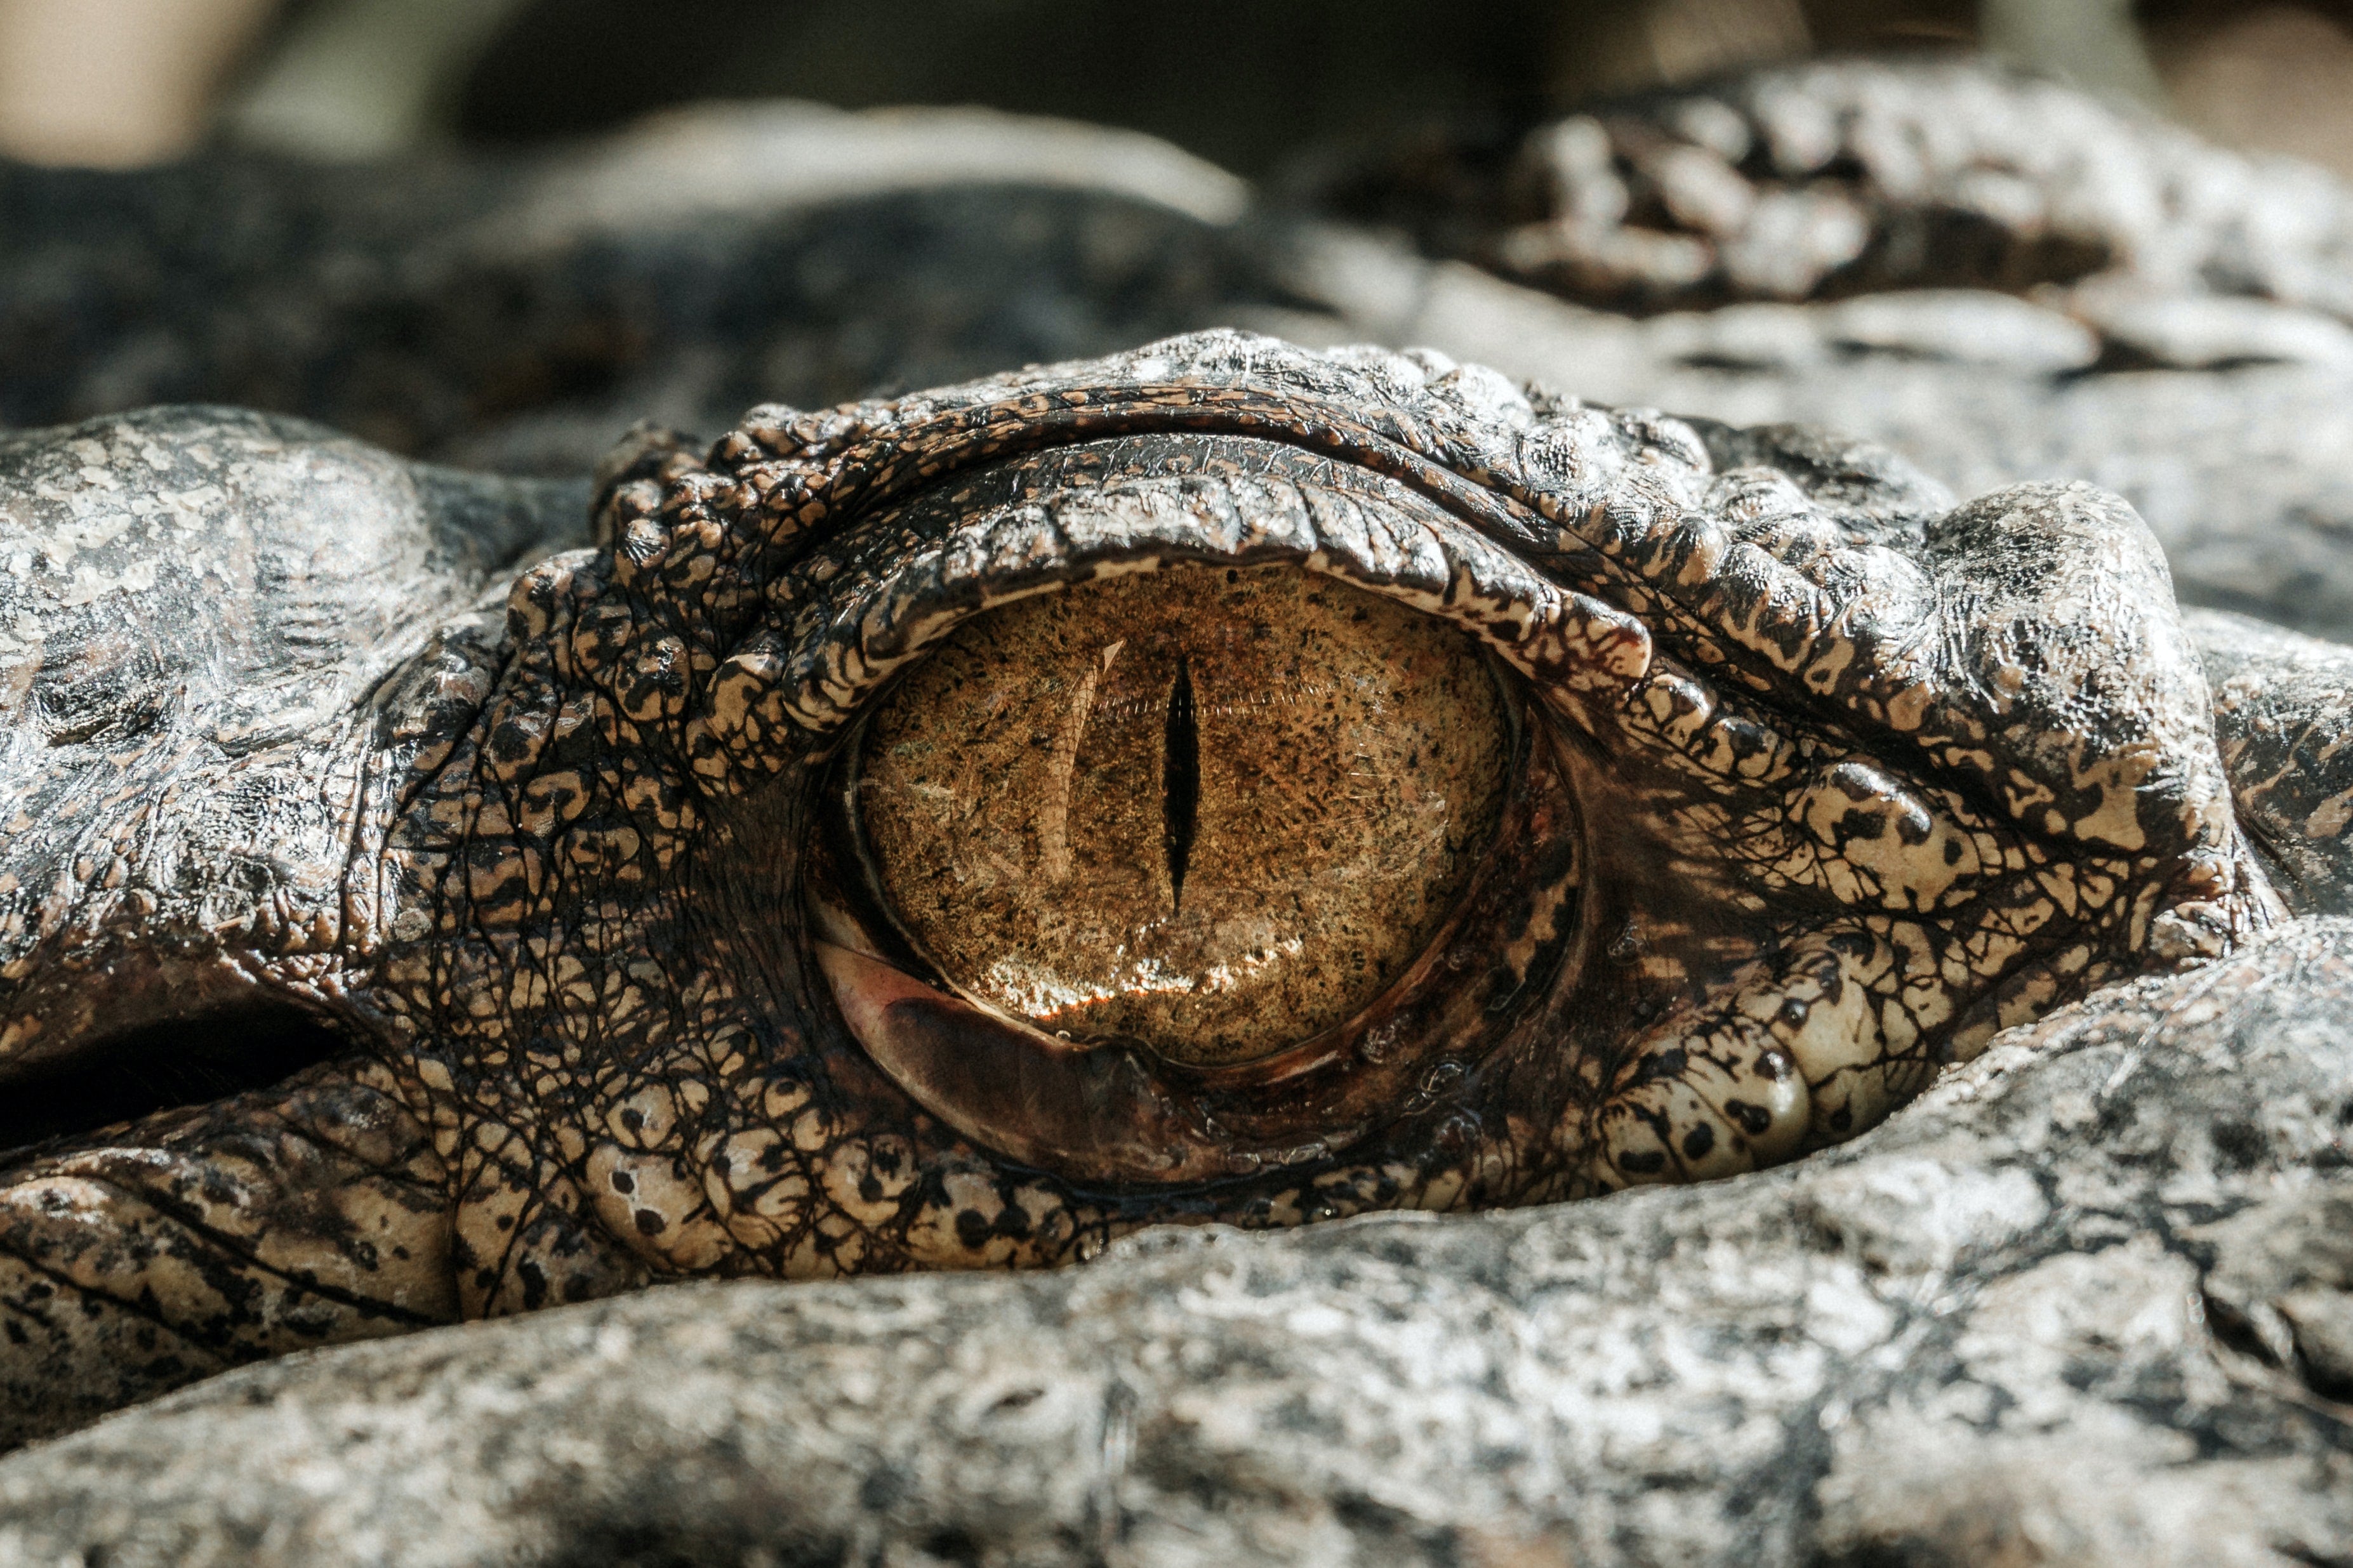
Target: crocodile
point(429, 895)
point(1219, 782)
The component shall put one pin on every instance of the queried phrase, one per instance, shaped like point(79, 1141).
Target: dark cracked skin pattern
point(531, 862)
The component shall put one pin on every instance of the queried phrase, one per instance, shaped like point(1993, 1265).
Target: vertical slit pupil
point(1180, 799)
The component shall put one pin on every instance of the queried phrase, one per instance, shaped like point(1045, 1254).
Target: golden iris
point(1212, 811)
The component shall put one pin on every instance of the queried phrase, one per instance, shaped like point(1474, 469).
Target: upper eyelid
point(856, 626)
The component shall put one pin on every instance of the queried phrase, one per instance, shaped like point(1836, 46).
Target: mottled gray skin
point(198, 604)
point(2090, 1301)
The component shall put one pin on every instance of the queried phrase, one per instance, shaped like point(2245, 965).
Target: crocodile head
point(1220, 782)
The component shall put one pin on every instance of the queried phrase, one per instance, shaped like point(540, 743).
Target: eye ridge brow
point(1181, 781)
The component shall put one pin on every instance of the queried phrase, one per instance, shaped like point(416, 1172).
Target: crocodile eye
point(1209, 813)
point(1192, 807)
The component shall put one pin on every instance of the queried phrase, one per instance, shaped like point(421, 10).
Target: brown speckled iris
point(1213, 812)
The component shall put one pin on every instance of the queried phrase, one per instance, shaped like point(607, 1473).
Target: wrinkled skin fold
point(1848, 776)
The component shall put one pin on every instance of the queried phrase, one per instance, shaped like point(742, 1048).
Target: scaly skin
point(1854, 777)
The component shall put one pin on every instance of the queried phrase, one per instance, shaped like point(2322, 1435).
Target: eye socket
point(1437, 960)
point(1212, 813)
